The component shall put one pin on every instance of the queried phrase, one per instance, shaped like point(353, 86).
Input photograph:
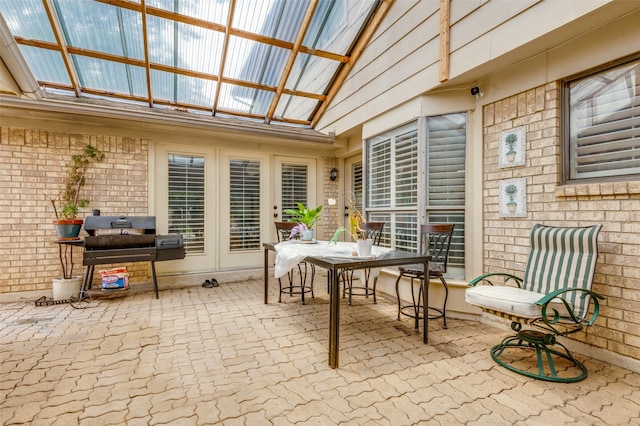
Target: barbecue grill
point(114, 239)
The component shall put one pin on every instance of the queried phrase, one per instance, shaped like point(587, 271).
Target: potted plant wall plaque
point(513, 198)
point(512, 147)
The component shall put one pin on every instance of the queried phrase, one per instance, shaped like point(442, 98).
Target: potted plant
point(67, 224)
point(306, 218)
point(66, 204)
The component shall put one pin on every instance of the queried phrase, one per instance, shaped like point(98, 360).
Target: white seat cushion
point(509, 300)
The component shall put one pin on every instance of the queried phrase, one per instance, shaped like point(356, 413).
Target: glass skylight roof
point(276, 62)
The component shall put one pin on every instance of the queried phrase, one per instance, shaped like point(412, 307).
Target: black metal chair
point(436, 239)
point(373, 231)
point(283, 230)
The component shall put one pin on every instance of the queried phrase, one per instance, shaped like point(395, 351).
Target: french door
point(295, 181)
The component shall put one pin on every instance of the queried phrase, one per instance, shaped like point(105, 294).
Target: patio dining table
point(336, 257)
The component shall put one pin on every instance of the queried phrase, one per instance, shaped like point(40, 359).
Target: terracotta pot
point(68, 229)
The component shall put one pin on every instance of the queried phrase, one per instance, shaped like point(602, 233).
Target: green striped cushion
point(562, 258)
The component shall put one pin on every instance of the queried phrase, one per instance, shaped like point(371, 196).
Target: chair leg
point(444, 306)
point(375, 284)
point(416, 304)
point(398, 296)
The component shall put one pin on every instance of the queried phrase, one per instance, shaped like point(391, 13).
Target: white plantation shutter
point(392, 185)
point(244, 209)
point(379, 174)
point(294, 187)
point(186, 200)
point(356, 184)
point(604, 123)
point(406, 169)
point(446, 147)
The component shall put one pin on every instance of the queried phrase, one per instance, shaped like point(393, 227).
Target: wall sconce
point(333, 174)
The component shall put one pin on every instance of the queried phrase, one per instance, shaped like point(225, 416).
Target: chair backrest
point(283, 229)
point(562, 257)
point(436, 240)
point(373, 231)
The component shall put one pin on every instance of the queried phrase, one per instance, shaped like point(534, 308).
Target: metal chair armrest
point(506, 278)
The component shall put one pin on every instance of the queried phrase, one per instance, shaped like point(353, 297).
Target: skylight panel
point(182, 89)
point(295, 108)
point(278, 19)
point(111, 76)
point(180, 45)
point(255, 62)
point(336, 24)
point(244, 99)
point(101, 27)
point(46, 64)
point(312, 74)
point(210, 10)
point(27, 19)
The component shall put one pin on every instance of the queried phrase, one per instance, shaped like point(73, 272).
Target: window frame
point(567, 144)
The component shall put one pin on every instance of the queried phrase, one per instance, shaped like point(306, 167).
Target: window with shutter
point(392, 186)
point(394, 190)
point(186, 200)
point(446, 160)
point(244, 208)
point(604, 123)
point(294, 187)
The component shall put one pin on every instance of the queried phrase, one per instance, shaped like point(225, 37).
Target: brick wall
point(32, 166)
point(614, 205)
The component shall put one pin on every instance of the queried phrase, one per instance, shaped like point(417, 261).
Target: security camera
point(475, 91)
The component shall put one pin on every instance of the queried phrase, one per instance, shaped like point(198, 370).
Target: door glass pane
point(186, 200)
point(294, 187)
point(244, 208)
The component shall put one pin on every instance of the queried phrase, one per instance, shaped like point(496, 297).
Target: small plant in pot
point(306, 218)
point(66, 204)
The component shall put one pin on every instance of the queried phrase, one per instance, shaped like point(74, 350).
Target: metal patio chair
point(436, 240)
point(555, 296)
point(283, 230)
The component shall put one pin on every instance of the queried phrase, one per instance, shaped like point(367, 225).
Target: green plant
point(304, 215)
point(66, 204)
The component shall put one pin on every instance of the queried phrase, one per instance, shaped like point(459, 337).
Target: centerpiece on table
point(305, 219)
point(356, 224)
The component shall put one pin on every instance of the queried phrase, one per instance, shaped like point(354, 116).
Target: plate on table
point(308, 242)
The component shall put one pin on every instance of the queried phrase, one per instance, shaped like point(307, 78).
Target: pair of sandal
point(210, 283)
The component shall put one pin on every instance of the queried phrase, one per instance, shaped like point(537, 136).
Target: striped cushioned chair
point(555, 295)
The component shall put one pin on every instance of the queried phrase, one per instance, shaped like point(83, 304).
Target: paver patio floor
point(201, 356)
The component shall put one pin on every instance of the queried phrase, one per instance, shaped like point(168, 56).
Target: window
point(604, 123)
point(244, 178)
point(186, 200)
point(446, 146)
point(396, 193)
point(392, 185)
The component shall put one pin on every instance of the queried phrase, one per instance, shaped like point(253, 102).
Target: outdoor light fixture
point(333, 175)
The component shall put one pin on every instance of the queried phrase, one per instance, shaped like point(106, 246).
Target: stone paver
point(204, 356)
